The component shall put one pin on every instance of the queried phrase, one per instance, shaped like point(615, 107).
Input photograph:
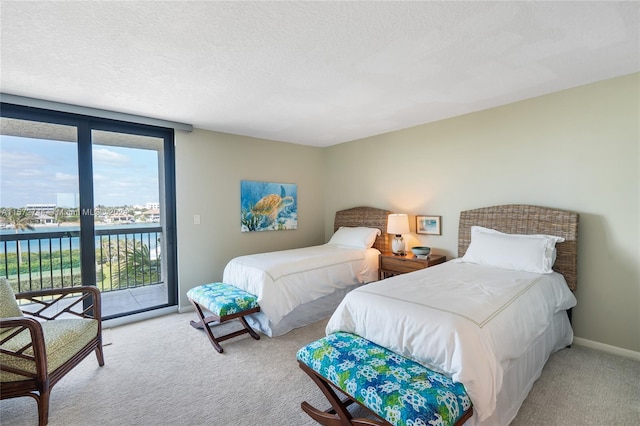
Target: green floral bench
point(225, 302)
point(397, 390)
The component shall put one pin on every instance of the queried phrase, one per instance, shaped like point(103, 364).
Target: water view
point(37, 240)
point(49, 167)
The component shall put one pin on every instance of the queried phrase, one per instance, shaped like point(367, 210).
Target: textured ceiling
point(313, 73)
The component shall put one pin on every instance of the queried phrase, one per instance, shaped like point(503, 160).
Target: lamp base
point(397, 245)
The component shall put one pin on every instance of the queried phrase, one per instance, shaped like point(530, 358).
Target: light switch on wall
point(196, 219)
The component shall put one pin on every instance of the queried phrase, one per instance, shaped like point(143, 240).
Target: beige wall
point(209, 168)
point(577, 150)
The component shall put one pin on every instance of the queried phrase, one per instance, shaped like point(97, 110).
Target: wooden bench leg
point(250, 330)
point(338, 415)
point(204, 324)
point(206, 320)
point(322, 417)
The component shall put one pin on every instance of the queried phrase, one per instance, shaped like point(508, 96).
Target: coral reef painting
point(268, 206)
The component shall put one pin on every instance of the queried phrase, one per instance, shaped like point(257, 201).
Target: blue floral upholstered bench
point(225, 302)
point(397, 390)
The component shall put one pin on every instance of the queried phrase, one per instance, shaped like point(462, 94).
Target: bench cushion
point(397, 389)
point(222, 299)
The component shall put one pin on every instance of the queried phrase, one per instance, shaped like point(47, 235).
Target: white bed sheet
point(288, 279)
point(520, 375)
point(303, 315)
point(465, 320)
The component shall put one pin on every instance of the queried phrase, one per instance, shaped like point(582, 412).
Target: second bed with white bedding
point(288, 279)
point(301, 286)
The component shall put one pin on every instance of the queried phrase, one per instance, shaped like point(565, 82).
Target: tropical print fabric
point(397, 389)
point(222, 299)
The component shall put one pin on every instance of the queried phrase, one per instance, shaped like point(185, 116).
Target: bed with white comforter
point(301, 286)
point(285, 280)
point(489, 319)
point(465, 320)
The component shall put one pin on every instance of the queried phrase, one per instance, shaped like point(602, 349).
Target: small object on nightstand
point(421, 252)
point(390, 264)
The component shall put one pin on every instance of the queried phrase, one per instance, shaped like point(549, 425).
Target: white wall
point(209, 168)
point(577, 150)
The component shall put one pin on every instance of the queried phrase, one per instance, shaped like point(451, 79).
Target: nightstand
point(390, 264)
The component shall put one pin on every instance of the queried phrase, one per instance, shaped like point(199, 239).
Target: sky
point(36, 171)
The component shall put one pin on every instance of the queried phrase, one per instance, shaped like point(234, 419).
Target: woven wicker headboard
point(523, 219)
point(366, 216)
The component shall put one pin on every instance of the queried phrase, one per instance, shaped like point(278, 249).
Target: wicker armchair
point(38, 347)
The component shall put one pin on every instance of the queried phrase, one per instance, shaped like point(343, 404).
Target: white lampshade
point(398, 224)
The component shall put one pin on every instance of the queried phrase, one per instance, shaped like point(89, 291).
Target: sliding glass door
point(97, 203)
point(128, 219)
point(39, 196)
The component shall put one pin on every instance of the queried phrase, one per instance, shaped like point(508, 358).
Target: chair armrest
point(39, 356)
point(75, 295)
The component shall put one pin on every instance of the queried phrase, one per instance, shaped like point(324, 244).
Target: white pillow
point(531, 253)
point(358, 237)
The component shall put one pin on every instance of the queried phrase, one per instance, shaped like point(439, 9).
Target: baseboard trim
point(184, 309)
point(606, 348)
point(128, 319)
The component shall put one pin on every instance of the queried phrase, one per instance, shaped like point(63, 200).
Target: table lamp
point(398, 224)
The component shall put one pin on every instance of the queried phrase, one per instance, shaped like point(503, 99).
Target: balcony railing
point(126, 258)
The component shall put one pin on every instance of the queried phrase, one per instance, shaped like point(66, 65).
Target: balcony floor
point(135, 299)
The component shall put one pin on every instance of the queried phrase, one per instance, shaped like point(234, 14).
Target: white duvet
point(465, 320)
point(284, 280)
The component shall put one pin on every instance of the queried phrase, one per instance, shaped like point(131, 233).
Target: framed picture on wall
point(268, 206)
point(431, 225)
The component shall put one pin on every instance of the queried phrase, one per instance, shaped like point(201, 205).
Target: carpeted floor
point(164, 372)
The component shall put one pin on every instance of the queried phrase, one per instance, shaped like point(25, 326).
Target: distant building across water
point(41, 209)
point(44, 213)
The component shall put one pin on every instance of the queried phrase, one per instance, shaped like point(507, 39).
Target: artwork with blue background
point(268, 206)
